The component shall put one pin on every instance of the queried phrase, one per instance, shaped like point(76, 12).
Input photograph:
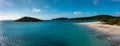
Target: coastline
point(110, 32)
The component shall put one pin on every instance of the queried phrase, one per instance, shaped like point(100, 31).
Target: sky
point(48, 9)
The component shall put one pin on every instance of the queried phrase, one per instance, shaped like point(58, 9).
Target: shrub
point(118, 22)
point(112, 21)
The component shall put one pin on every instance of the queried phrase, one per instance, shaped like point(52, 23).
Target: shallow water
point(48, 33)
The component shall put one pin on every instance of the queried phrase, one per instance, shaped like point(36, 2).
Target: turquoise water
point(48, 33)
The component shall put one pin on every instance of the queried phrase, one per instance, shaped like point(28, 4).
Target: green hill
point(28, 19)
point(108, 19)
point(97, 17)
point(103, 18)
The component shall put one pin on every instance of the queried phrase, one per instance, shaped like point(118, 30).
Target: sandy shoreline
point(110, 32)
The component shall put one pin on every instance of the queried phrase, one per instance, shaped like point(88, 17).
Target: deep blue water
point(48, 33)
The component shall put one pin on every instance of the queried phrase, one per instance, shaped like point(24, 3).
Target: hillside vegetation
point(108, 19)
point(103, 18)
point(113, 21)
point(28, 19)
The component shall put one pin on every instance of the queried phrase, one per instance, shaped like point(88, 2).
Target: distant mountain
point(97, 17)
point(28, 19)
point(62, 18)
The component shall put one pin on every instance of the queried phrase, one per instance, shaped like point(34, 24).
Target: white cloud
point(9, 15)
point(96, 2)
point(36, 10)
point(77, 13)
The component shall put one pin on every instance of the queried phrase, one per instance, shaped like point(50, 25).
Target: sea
point(48, 33)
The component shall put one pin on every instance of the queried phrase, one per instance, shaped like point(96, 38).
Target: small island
point(28, 19)
point(61, 18)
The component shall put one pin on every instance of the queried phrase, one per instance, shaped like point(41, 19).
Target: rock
point(28, 19)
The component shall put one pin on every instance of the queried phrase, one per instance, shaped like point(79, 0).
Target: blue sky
point(48, 9)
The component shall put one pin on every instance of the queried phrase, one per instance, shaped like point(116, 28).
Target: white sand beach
point(111, 32)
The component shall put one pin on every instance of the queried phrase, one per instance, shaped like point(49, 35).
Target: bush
point(104, 20)
point(112, 21)
point(118, 22)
